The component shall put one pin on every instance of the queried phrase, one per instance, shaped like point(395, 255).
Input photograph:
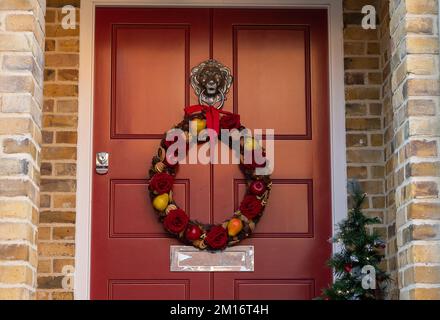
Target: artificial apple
point(193, 232)
point(257, 187)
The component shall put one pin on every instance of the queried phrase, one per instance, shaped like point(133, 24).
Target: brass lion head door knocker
point(211, 81)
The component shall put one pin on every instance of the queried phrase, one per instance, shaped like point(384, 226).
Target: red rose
point(251, 207)
point(176, 221)
point(230, 121)
point(161, 183)
point(217, 237)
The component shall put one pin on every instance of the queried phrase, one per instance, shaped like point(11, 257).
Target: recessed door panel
point(140, 220)
point(274, 289)
point(290, 208)
point(150, 64)
point(149, 290)
point(283, 52)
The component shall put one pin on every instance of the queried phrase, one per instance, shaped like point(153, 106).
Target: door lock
point(101, 162)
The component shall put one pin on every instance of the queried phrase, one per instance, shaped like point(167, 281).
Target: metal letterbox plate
point(233, 259)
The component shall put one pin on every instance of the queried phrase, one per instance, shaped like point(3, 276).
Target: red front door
point(279, 60)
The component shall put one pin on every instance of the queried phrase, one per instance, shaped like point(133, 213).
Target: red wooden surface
point(142, 63)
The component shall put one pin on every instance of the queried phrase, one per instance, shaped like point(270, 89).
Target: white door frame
point(85, 124)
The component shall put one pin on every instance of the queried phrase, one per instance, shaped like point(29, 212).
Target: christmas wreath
point(163, 171)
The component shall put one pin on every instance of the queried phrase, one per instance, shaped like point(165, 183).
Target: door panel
point(140, 220)
point(151, 66)
point(268, 289)
point(281, 51)
point(142, 65)
point(296, 195)
point(150, 290)
point(279, 58)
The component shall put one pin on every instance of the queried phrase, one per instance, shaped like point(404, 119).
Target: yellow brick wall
point(368, 95)
point(56, 241)
point(21, 92)
point(363, 109)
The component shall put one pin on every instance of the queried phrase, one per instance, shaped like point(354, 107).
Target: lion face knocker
point(211, 81)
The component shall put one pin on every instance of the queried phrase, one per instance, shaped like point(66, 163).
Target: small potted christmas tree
point(360, 252)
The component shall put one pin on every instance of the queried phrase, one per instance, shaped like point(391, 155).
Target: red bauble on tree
point(348, 267)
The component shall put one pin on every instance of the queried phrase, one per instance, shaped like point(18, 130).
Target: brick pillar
point(415, 145)
point(21, 99)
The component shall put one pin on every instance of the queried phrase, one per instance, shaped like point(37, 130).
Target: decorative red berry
point(348, 267)
point(193, 232)
point(257, 187)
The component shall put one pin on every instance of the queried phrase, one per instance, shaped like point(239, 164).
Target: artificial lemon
point(234, 227)
point(160, 202)
point(200, 124)
point(251, 144)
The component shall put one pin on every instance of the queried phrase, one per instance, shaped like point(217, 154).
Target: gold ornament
point(171, 196)
point(170, 208)
point(161, 153)
point(159, 167)
point(200, 244)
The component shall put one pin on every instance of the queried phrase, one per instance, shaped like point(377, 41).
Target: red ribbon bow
point(212, 115)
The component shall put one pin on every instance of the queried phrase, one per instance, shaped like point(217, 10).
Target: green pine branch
point(358, 248)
